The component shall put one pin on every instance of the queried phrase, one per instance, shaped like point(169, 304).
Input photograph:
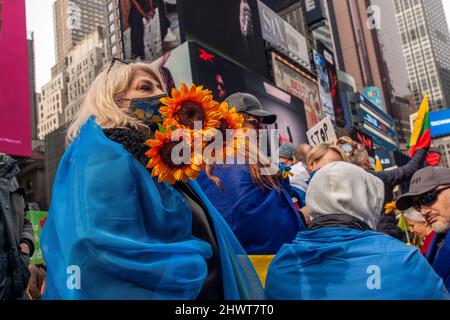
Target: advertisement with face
point(330, 69)
point(324, 86)
point(300, 85)
point(15, 131)
point(150, 28)
point(233, 29)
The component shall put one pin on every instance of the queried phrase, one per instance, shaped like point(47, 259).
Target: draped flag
point(421, 135)
point(378, 165)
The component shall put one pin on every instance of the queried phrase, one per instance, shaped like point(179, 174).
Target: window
point(111, 17)
point(113, 39)
point(112, 28)
point(110, 6)
point(113, 50)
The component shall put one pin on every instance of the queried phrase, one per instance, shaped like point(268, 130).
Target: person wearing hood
point(341, 257)
point(16, 233)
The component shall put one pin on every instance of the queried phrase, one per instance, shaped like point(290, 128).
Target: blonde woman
point(113, 231)
point(323, 154)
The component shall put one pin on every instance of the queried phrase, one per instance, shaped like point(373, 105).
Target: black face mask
point(147, 110)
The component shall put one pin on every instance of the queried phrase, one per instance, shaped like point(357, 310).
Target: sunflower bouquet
point(192, 120)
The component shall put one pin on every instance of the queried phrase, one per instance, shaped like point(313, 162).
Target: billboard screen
point(233, 29)
point(283, 36)
point(192, 63)
point(330, 69)
point(149, 28)
point(225, 78)
point(15, 125)
point(299, 85)
point(440, 123)
point(314, 12)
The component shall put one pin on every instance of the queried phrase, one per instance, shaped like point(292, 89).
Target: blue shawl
point(348, 264)
point(113, 232)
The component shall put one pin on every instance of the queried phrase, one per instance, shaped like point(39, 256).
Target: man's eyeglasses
point(114, 60)
point(428, 199)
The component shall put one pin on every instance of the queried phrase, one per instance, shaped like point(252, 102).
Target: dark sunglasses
point(114, 60)
point(428, 199)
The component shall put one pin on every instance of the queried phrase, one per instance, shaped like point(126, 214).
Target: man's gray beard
point(441, 227)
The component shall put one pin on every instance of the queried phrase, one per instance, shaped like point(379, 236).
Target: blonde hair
point(319, 151)
point(101, 99)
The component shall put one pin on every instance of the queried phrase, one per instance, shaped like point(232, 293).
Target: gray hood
point(8, 167)
point(343, 188)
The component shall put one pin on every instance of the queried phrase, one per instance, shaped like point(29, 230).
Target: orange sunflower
point(188, 105)
point(163, 165)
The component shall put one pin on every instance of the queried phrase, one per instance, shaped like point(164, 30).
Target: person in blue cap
point(113, 231)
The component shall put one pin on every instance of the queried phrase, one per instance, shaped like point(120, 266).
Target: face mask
point(347, 148)
point(147, 109)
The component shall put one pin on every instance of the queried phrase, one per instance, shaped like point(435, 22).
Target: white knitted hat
point(343, 188)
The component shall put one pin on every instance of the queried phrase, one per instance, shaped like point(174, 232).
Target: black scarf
point(132, 140)
point(339, 221)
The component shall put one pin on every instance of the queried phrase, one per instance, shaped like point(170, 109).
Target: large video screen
point(233, 29)
point(15, 121)
point(225, 78)
point(150, 28)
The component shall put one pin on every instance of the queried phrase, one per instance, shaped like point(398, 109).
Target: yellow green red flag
point(421, 135)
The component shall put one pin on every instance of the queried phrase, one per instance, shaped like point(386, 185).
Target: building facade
point(53, 101)
point(73, 20)
point(426, 45)
point(85, 61)
point(113, 35)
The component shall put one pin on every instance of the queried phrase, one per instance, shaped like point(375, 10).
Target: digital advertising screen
point(15, 129)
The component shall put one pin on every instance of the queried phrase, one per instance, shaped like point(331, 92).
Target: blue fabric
point(130, 236)
point(262, 220)
point(439, 258)
point(240, 278)
point(341, 264)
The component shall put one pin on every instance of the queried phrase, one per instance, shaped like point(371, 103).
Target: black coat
point(392, 178)
point(15, 228)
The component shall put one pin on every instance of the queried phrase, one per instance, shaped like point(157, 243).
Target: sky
point(40, 21)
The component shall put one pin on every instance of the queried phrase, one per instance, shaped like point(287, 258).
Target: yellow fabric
point(378, 165)
point(418, 125)
point(261, 264)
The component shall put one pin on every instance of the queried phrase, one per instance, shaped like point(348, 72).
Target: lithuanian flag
point(421, 135)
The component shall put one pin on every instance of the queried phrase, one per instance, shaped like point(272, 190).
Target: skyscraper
point(74, 19)
point(426, 46)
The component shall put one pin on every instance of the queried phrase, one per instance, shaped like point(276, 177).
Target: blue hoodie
point(348, 264)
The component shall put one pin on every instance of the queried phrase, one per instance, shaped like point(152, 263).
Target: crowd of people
point(317, 227)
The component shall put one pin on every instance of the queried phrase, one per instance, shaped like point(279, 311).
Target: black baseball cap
point(247, 103)
point(423, 181)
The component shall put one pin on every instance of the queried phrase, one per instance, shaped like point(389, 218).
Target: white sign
point(321, 133)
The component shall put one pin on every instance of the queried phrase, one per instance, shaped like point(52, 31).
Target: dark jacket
point(392, 178)
point(15, 229)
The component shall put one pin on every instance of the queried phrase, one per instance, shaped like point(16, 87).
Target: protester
point(347, 145)
point(323, 154)
point(286, 154)
point(340, 257)
point(420, 227)
point(391, 178)
point(300, 177)
point(37, 280)
point(16, 233)
point(429, 193)
point(113, 231)
point(256, 204)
